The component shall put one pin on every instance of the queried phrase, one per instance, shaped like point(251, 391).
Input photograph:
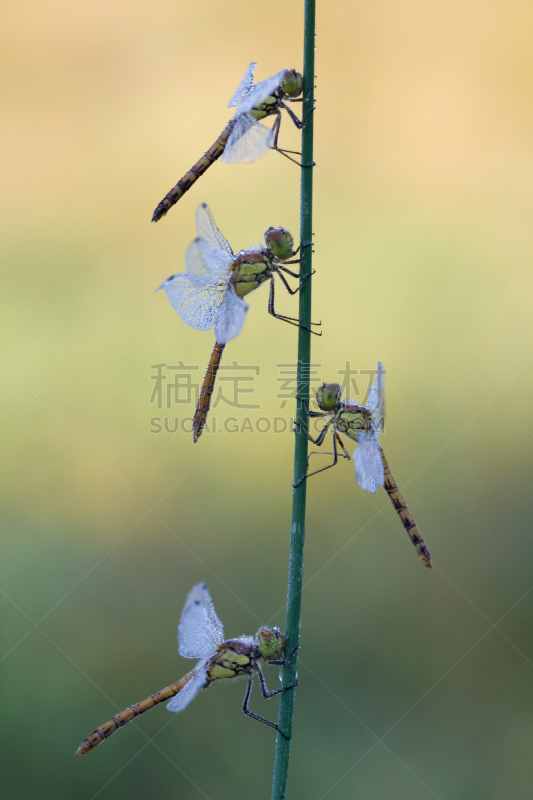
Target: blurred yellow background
point(413, 684)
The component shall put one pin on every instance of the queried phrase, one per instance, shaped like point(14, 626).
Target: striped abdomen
point(101, 733)
point(408, 521)
point(204, 401)
point(214, 152)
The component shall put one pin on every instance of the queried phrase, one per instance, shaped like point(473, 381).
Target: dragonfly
point(201, 636)
point(210, 292)
point(363, 425)
point(245, 138)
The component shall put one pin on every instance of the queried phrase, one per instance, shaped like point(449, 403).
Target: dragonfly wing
point(190, 690)
point(207, 230)
point(230, 317)
point(207, 261)
point(200, 631)
point(244, 86)
point(368, 463)
point(376, 398)
point(196, 301)
point(259, 93)
point(248, 141)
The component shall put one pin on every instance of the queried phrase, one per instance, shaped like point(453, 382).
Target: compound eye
point(280, 242)
point(292, 83)
point(331, 394)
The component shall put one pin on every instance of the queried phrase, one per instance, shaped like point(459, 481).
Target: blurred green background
point(413, 683)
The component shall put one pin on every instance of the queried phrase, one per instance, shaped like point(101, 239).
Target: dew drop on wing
point(368, 463)
point(208, 261)
point(244, 86)
point(182, 699)
point(230, 317)
point(248, 141)
point(196, 301)
point(259, 93)
point(200, 631)
point(206, 229)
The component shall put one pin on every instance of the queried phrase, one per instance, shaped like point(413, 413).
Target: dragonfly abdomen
point(195, 172)
point(105, 730)
point(408, 521)
point(204, 401)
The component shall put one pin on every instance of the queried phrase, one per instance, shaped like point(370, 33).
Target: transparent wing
point(207, 261)
point(248, 141)
point(261, 91)
point(368, 463)
point(376, 398)
point(196, 301)
point(244, 86)
point(200, 631)
point(230, 317)
point(207, 230)
point(190, 690)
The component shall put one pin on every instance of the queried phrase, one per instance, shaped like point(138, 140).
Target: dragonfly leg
point(256, 716)
point(286, 285)
point(345, 453)
point(284, 662)
point(289, 271)
point(290, 320)
point(268, 694)
point(300, 99)
point(321, 436)
point(305, 402)
point(304, 281)
point(300, 247)
point(294, 274)
point(306, 120)
point(298, 260)
point(275, 130)
point(274, 145)
point(297, 122)
point(294, 291)
point(318, 441)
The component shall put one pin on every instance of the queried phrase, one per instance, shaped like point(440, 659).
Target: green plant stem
point(296, 558)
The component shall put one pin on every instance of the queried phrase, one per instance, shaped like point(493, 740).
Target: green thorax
point(268, 106)
point(234, 657)
point(353, 419)
point(250, 269)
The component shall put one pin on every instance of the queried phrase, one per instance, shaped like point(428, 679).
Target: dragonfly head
point(292, 83)
point(328, 396)
point(271, 643)
point(280, 243)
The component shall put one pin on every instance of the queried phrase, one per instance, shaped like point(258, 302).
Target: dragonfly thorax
point(250, 269)
point(353, 419)
point(234, 657)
